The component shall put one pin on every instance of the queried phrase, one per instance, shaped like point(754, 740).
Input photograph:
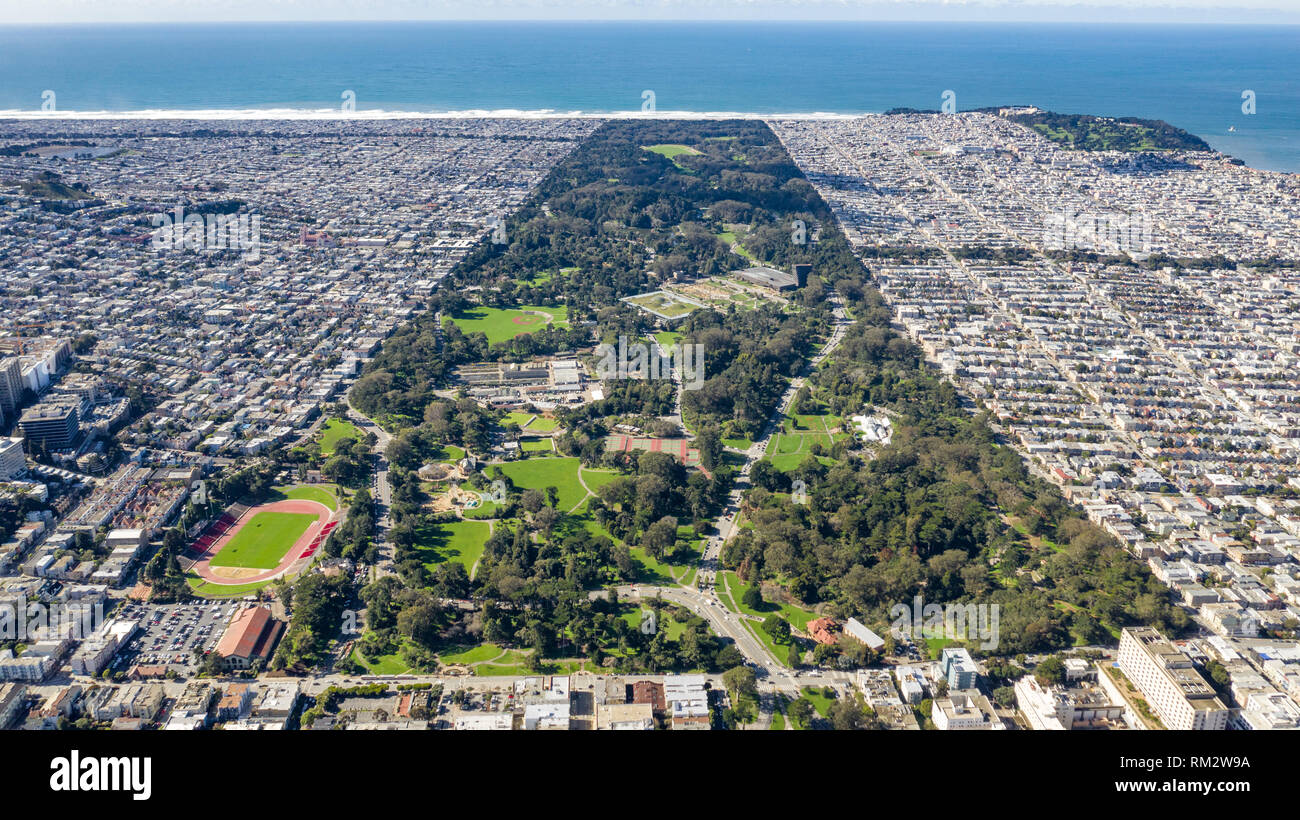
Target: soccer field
point(263, 541)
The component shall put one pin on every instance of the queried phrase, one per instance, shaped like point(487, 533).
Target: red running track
point(297, 552)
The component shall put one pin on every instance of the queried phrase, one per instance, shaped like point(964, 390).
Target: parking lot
point(171, 632)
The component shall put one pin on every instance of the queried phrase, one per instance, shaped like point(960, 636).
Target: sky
point(171, 11)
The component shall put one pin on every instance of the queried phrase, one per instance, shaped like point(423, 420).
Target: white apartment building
point(1054, 708)
point(686, 697)
point(546, 716)
point(1044, 709)
point(1178, 693)
point(489, 722)
point(625, 717)
point(960, 712)
point(1268, 711)
point(13, 461)
point(27, 669)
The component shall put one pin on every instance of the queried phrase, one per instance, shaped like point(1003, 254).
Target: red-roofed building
point(250, 637)
point(316, 240)
point(146, 671)
point(822, 630)
point(645, 691)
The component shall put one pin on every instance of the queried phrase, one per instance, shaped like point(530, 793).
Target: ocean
point(1192, 76)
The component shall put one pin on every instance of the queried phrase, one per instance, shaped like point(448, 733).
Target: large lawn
point(536, 445)
point(668, 339)
point(449, 453)
point(263, 541)
point(517, 417)
point(474, 654)
point(788, 450)
point(540, 473)
point(531, 422)
point(672, 151)
point(501, 325)
point(321, 493)
point(335, 429)
point(384, 664)
point(209, 590)
point(460, 541)
point(542, 424)
point(595, 479)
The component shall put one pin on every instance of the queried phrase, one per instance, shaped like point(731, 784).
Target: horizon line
point(1292, 21)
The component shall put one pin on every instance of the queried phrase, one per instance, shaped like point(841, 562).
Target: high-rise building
point(51, 424)
point(13, 461)
point(11, 387)
point(1166, 677)
point(959, 668)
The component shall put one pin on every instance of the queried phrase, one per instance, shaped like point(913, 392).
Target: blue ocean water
point(1190, 75)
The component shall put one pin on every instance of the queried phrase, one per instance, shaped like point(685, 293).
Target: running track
point(296, 553)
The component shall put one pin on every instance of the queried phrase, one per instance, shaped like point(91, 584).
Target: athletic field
point(500, 325)
point(262, 542)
